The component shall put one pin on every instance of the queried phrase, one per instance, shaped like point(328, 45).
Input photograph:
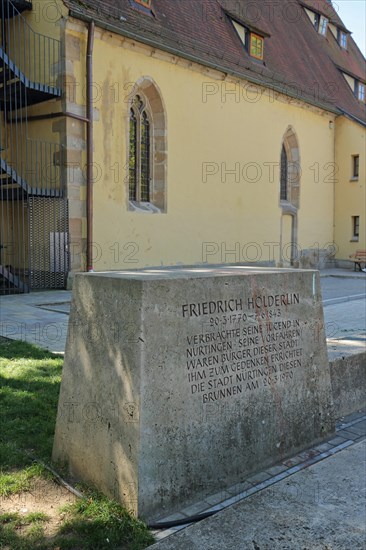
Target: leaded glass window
point(284, 174)
point(139, 152)
point(133, 154)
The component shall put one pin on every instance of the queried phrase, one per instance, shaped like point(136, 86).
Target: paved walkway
point(39, 318)
point(316, 504)
point(42, 317)
point(313, 501)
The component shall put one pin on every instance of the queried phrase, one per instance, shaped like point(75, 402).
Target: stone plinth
point(179, 383)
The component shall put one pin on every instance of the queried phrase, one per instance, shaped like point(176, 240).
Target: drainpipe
point(90, 151)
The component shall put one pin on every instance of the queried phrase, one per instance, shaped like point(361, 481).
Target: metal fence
point(35, 55)
point(33, 207)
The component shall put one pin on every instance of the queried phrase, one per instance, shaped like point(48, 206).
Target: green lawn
point(29, 387)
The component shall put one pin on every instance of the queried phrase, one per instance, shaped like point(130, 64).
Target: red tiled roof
point(297, 59)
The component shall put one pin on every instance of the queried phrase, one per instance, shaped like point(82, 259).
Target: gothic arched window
point(139, 152)
point(284, 174)
point(290, 170)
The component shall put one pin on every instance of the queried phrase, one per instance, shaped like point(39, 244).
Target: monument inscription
point(226, 367)
point(239, 350)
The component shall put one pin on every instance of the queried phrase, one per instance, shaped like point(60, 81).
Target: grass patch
point(29, 388)
point(106, 523)
point(22, 532)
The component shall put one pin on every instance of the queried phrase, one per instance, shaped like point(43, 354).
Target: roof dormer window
point(323, 25)
point(242, 31)
point(256, 46)
point(342, 39)
point(252, 41)
point(143, 6)
point(358, 88)
point(360, 91)
point(145, 3)
point(319, 21)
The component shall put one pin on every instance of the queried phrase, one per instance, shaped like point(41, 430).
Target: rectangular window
point(323, 25)
point(343, 39)
point(284, 175)
point(256, 46)
point(361, 92)
point(355, 228)
point(355, 166)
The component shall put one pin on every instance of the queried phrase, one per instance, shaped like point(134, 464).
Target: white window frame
point(323, 25)
point(361, 91)
point(343, 40)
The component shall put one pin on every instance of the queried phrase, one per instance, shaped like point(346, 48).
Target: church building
point(140, 133)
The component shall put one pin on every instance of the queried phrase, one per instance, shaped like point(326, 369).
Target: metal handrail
point(43, 166)
point(37, 167)
point(36, 55)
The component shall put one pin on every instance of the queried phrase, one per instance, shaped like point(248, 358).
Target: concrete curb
point(343, 299)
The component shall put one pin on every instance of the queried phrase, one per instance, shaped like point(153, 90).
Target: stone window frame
point(283, 174)
point(143, 163)
point(148, 90)
point(291, 205)
point(290, 143)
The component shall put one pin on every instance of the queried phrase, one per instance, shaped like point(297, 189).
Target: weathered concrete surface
point(23, 317)
point(320, 508)
point(346, 328)
point(346, 331)
point(156, 417)
point(348, 377)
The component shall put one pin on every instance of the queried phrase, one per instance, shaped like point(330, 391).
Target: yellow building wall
point(220, 219)
point(41, 29)
point(14, 234)
point(30, 145)
point(350, 196)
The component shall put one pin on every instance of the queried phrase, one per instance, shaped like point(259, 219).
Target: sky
point(353, 15)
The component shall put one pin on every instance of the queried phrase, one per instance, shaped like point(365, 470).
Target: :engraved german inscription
point(243, 345)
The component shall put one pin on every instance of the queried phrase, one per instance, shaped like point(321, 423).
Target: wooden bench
point(359, 257)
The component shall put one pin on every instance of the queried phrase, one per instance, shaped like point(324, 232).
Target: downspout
point(90, 149)
point(334, 185)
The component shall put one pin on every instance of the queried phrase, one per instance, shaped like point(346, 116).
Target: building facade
point(144, 133)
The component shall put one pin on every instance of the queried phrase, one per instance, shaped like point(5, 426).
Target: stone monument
point(179, 383)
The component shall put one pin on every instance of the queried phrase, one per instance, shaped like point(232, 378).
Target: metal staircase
point(6, 11)
point(33, 207)
point(12, 186)
point(16, 90)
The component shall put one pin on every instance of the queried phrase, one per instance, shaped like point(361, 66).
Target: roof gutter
point(352, 117)
point(194, 59)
